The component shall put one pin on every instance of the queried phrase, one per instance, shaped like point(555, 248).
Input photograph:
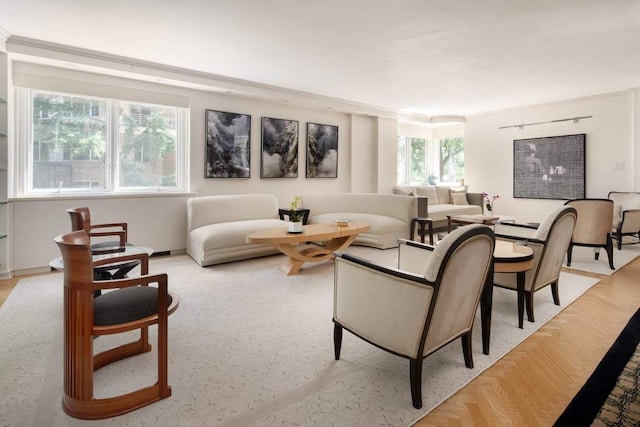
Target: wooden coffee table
point(335, 238)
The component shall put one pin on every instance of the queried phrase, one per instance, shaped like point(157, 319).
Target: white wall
point(609, 140)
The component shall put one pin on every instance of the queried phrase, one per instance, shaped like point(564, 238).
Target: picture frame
point(322, 151)
point(550, 167)
point(228, 145)
point(279, 157)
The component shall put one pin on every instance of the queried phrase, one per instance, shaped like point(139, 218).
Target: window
point(430, 161)
point(83, 143)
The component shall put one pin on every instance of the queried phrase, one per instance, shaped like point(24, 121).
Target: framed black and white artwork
point(228, 150)
point(322, 151)
point(549, 168)
point(279, 148)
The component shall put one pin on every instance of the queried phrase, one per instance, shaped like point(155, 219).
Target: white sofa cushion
point(430, 193)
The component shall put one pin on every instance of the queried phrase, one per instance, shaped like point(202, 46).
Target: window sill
point(79, 196)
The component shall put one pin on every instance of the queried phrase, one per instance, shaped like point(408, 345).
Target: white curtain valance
point(44, 77)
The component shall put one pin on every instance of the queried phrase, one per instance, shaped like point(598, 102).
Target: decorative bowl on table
point(342, 222)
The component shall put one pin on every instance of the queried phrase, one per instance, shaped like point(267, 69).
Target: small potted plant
point(489, 202)
point(295, 216)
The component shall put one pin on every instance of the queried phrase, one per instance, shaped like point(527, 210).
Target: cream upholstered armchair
point(424, 304)
point(549, 242)
point(626, 215)
point(592, 227)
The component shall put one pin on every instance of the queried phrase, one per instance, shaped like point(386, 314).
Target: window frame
point(22, 156)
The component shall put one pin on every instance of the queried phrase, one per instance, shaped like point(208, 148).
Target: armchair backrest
point(558, 228)
point(76, 258)
point(593, 224)
point(80, 219)
point(459, 265)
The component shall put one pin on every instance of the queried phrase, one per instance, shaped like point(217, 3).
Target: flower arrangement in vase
point(489, 202)
point(295, 216)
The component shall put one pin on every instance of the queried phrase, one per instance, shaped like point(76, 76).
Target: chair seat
point(126, 305)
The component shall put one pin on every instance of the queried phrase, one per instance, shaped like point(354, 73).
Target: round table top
point(106, 253)
point(509, 257)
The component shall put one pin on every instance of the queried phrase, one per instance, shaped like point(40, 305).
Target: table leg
point(486, 305)
point(413, 229)
point(421, 225)
point(520, 276)
point(430, 224)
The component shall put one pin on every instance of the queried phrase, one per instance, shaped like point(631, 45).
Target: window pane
point(402, 161)
point(147, 154)
point(417, 161)
point(69, 142)
point(452, 159)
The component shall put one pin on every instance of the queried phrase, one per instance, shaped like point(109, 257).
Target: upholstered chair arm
point(413, 256)
point(382, 305)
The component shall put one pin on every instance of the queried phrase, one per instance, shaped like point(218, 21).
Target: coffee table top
point(309, 232)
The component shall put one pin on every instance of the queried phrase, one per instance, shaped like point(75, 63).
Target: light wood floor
point(533, 384)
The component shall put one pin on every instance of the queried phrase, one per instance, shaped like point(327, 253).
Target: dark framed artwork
point(228, 150)
point(322, 151)
point(549, 168)
point(279, 148)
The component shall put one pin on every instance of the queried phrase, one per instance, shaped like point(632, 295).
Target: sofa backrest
point(400, 207)
point(436, 194)
point(228, 208)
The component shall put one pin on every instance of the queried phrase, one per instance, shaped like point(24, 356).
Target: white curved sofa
point(217, 226)
point(389, 215)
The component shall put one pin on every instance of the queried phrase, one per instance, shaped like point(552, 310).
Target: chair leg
point(337, 340)
point(596, 254)
point(529, 305)
point(554, 293)
point(569, 252)
point(619, 234)
point(415, 377)
point(609, 249)
point(466, 349)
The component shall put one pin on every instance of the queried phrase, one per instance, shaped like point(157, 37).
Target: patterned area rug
point(610, 397)
point(247, 346)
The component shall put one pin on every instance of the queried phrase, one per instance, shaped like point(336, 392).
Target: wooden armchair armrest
point(122, 233)
point(142, 257)
point(161, 279)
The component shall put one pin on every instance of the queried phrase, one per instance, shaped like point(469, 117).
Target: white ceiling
point(455, 57)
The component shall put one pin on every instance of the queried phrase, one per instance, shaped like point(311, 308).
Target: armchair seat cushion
point(126, 305)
